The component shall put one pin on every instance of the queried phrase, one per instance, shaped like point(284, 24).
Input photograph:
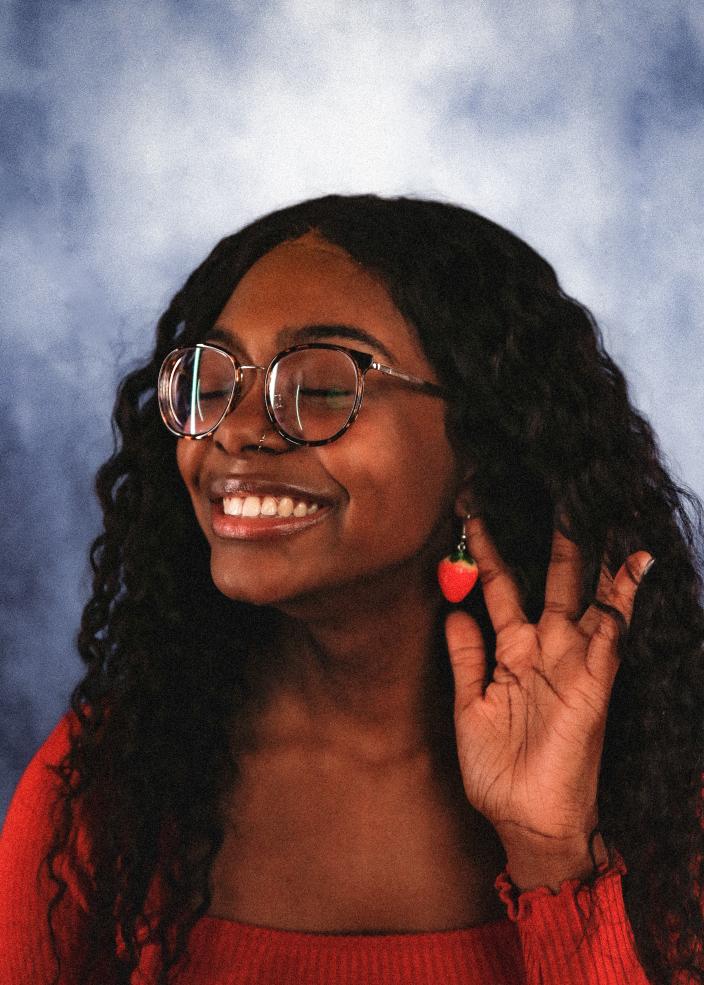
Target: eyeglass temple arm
point(414, 381)
point(423, 385)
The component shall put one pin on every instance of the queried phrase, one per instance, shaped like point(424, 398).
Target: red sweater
point(538, 943)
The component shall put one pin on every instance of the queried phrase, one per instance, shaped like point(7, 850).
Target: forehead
point(309, 281)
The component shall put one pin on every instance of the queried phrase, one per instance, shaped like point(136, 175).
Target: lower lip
point(261, 527)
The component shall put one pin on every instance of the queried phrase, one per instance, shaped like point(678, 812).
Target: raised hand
point(530, 744)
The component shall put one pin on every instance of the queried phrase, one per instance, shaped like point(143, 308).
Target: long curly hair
point(543, 415)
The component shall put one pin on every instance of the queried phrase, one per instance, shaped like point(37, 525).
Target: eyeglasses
point(312, 392)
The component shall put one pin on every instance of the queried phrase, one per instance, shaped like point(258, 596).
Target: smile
point(267, 506)
point(255, 518)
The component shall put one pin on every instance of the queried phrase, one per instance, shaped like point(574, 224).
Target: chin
point(240, 587)
point(253, 595)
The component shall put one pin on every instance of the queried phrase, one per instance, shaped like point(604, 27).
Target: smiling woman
point(290, 759)
point(375, 517)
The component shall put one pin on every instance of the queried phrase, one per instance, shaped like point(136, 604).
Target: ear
point(465, 498)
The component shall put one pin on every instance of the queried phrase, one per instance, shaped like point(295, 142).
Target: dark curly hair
point(543, 415)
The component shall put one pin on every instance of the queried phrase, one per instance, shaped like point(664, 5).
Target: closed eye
point(333, 398)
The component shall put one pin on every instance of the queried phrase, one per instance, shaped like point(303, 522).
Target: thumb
point(465, 647)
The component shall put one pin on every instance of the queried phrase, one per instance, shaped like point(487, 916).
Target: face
point(385, 490)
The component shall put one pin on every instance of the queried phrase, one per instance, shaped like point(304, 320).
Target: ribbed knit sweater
point(540, 942)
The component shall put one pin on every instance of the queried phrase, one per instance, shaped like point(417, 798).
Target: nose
point(242, 428)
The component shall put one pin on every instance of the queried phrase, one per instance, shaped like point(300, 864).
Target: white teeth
point(285, 506)
point(268, 506)
point(252, 506)
point(232, 506)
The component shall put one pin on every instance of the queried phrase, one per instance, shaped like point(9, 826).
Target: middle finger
point(563, 586)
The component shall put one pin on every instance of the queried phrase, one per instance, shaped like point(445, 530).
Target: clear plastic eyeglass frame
point(363, 362)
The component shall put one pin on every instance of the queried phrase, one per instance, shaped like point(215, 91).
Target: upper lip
point(239, 485)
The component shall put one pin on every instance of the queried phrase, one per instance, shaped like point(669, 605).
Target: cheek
point(424, 476)
point(399, 476)
point(185, 459)
point(188, 456)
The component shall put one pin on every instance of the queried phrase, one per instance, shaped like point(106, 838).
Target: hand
point(530, 745)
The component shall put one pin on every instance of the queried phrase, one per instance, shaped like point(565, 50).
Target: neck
point(364, 667)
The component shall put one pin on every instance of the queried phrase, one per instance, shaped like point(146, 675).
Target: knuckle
point(623, 594)
point(553, 608)
point(606, 631)
point(490, 574)
point(465, 653)
point(610, 627)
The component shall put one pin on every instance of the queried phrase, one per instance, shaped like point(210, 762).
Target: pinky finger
point(602, 656)
point(590, 619)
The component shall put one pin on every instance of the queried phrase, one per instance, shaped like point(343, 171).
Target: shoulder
point(29, 953)
point(31, 818)
point(39, 784)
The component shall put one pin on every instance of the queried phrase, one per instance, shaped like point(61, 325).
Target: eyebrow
point(305, 333)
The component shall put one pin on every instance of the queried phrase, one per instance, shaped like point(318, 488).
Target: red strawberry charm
point(457, 573)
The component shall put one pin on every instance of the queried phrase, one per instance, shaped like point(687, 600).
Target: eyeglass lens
point(312, 391)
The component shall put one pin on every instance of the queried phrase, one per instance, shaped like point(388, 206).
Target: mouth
point(261, 517)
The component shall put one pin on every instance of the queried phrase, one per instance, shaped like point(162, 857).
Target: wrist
point(532, 863)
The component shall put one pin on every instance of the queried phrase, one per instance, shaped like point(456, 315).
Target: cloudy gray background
point(135, 134)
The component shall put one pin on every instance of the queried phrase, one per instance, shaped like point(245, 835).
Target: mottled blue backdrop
point(135, 134)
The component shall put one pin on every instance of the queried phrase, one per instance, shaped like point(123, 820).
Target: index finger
point(501, 595)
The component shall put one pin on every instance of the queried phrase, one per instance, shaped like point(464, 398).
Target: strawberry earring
point(458, 572)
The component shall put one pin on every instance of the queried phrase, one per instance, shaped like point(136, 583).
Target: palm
point(530, 745)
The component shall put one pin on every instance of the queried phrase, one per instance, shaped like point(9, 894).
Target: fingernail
point(648, 566)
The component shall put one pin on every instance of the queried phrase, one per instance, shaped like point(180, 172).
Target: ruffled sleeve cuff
point(520, 906)
point(581, 934)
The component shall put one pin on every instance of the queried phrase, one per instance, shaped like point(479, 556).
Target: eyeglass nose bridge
point(245, 378)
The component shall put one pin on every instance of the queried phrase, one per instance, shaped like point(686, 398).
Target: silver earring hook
point(462, 546)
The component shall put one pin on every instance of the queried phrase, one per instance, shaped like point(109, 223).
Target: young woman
point(297, 757)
